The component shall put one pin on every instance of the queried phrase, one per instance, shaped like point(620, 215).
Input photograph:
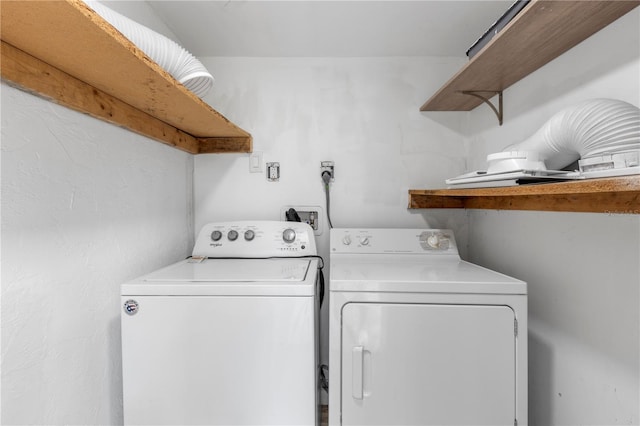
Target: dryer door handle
point(357, 365)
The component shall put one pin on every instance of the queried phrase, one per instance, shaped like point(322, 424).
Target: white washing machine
point(227, 337)
point(419, 336)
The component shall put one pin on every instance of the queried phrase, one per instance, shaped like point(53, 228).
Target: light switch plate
point(255, 162)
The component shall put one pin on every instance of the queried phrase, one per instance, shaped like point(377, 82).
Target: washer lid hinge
point(477, 94)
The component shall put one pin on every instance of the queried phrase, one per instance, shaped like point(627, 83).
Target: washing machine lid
point(418, 274)
point(283, 276)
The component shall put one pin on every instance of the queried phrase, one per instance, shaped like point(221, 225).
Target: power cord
point(292, 215)
point(324, 381)
point(326, 178)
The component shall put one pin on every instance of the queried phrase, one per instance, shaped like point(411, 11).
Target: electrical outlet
point(328, 166)
point(311, 215)
point(273, 172)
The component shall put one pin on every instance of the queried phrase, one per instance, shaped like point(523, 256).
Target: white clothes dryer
point(228, 336)
point(419, 336)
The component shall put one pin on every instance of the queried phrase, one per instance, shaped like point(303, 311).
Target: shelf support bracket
point(477, 94)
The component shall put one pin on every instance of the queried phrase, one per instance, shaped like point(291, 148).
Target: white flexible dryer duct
point(590, 128)
point(177, 61)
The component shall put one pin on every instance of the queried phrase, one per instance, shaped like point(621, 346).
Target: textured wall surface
point(582, 269)
point(361, 113)
point(85, 206)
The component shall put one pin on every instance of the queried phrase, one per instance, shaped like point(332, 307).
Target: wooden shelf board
point(70, 38)
point(542, 31)
point(30, 74)
point(607, 195)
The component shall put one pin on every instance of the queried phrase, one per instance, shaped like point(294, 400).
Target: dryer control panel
point(250, 239)
point(390, 241)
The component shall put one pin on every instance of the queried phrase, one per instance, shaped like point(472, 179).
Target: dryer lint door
point(423, 364)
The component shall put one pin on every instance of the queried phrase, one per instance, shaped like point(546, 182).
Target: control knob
point(249, 235)
point(216, 235)
point(289, 235)
point(364, 241)
point(346, 240)
point(438, 242)
point(232, 235)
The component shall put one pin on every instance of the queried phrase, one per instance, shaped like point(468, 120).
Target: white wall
point(583, 269)
point(85, 206)
point(361, 113)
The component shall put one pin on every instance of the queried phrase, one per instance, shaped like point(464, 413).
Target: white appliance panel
point(234, 270)
point(219, 360)
point(255, 239)
point(417, 273)
point(427, 364)
point(429, 242)
point(229, 277)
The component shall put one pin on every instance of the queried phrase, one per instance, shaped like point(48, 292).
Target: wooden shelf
point(542, 31)
point(64, 51)
point(619, 195)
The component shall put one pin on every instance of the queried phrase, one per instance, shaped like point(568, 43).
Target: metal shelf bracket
point(477, 94)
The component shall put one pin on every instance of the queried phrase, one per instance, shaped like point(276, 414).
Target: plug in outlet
point(328, 166)
point(308, 214)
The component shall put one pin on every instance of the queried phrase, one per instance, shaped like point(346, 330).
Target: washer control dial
point(289, 235)
point(232, 235)
point(216, 235)
point(364, 241)
point(249, 235)
point(346, 240)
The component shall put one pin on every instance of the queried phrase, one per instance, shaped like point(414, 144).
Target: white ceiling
point(323, 28)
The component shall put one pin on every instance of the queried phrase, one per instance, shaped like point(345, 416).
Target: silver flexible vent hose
point(588, 129)
point(176, 60)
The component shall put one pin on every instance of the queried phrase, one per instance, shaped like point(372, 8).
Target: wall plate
point(328, 166)
point(255, 162)
point(273, 172)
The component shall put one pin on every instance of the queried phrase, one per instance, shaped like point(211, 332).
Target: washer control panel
point(389, 241)
point(255, 239)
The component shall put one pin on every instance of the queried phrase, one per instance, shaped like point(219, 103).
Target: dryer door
point(427, 364)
